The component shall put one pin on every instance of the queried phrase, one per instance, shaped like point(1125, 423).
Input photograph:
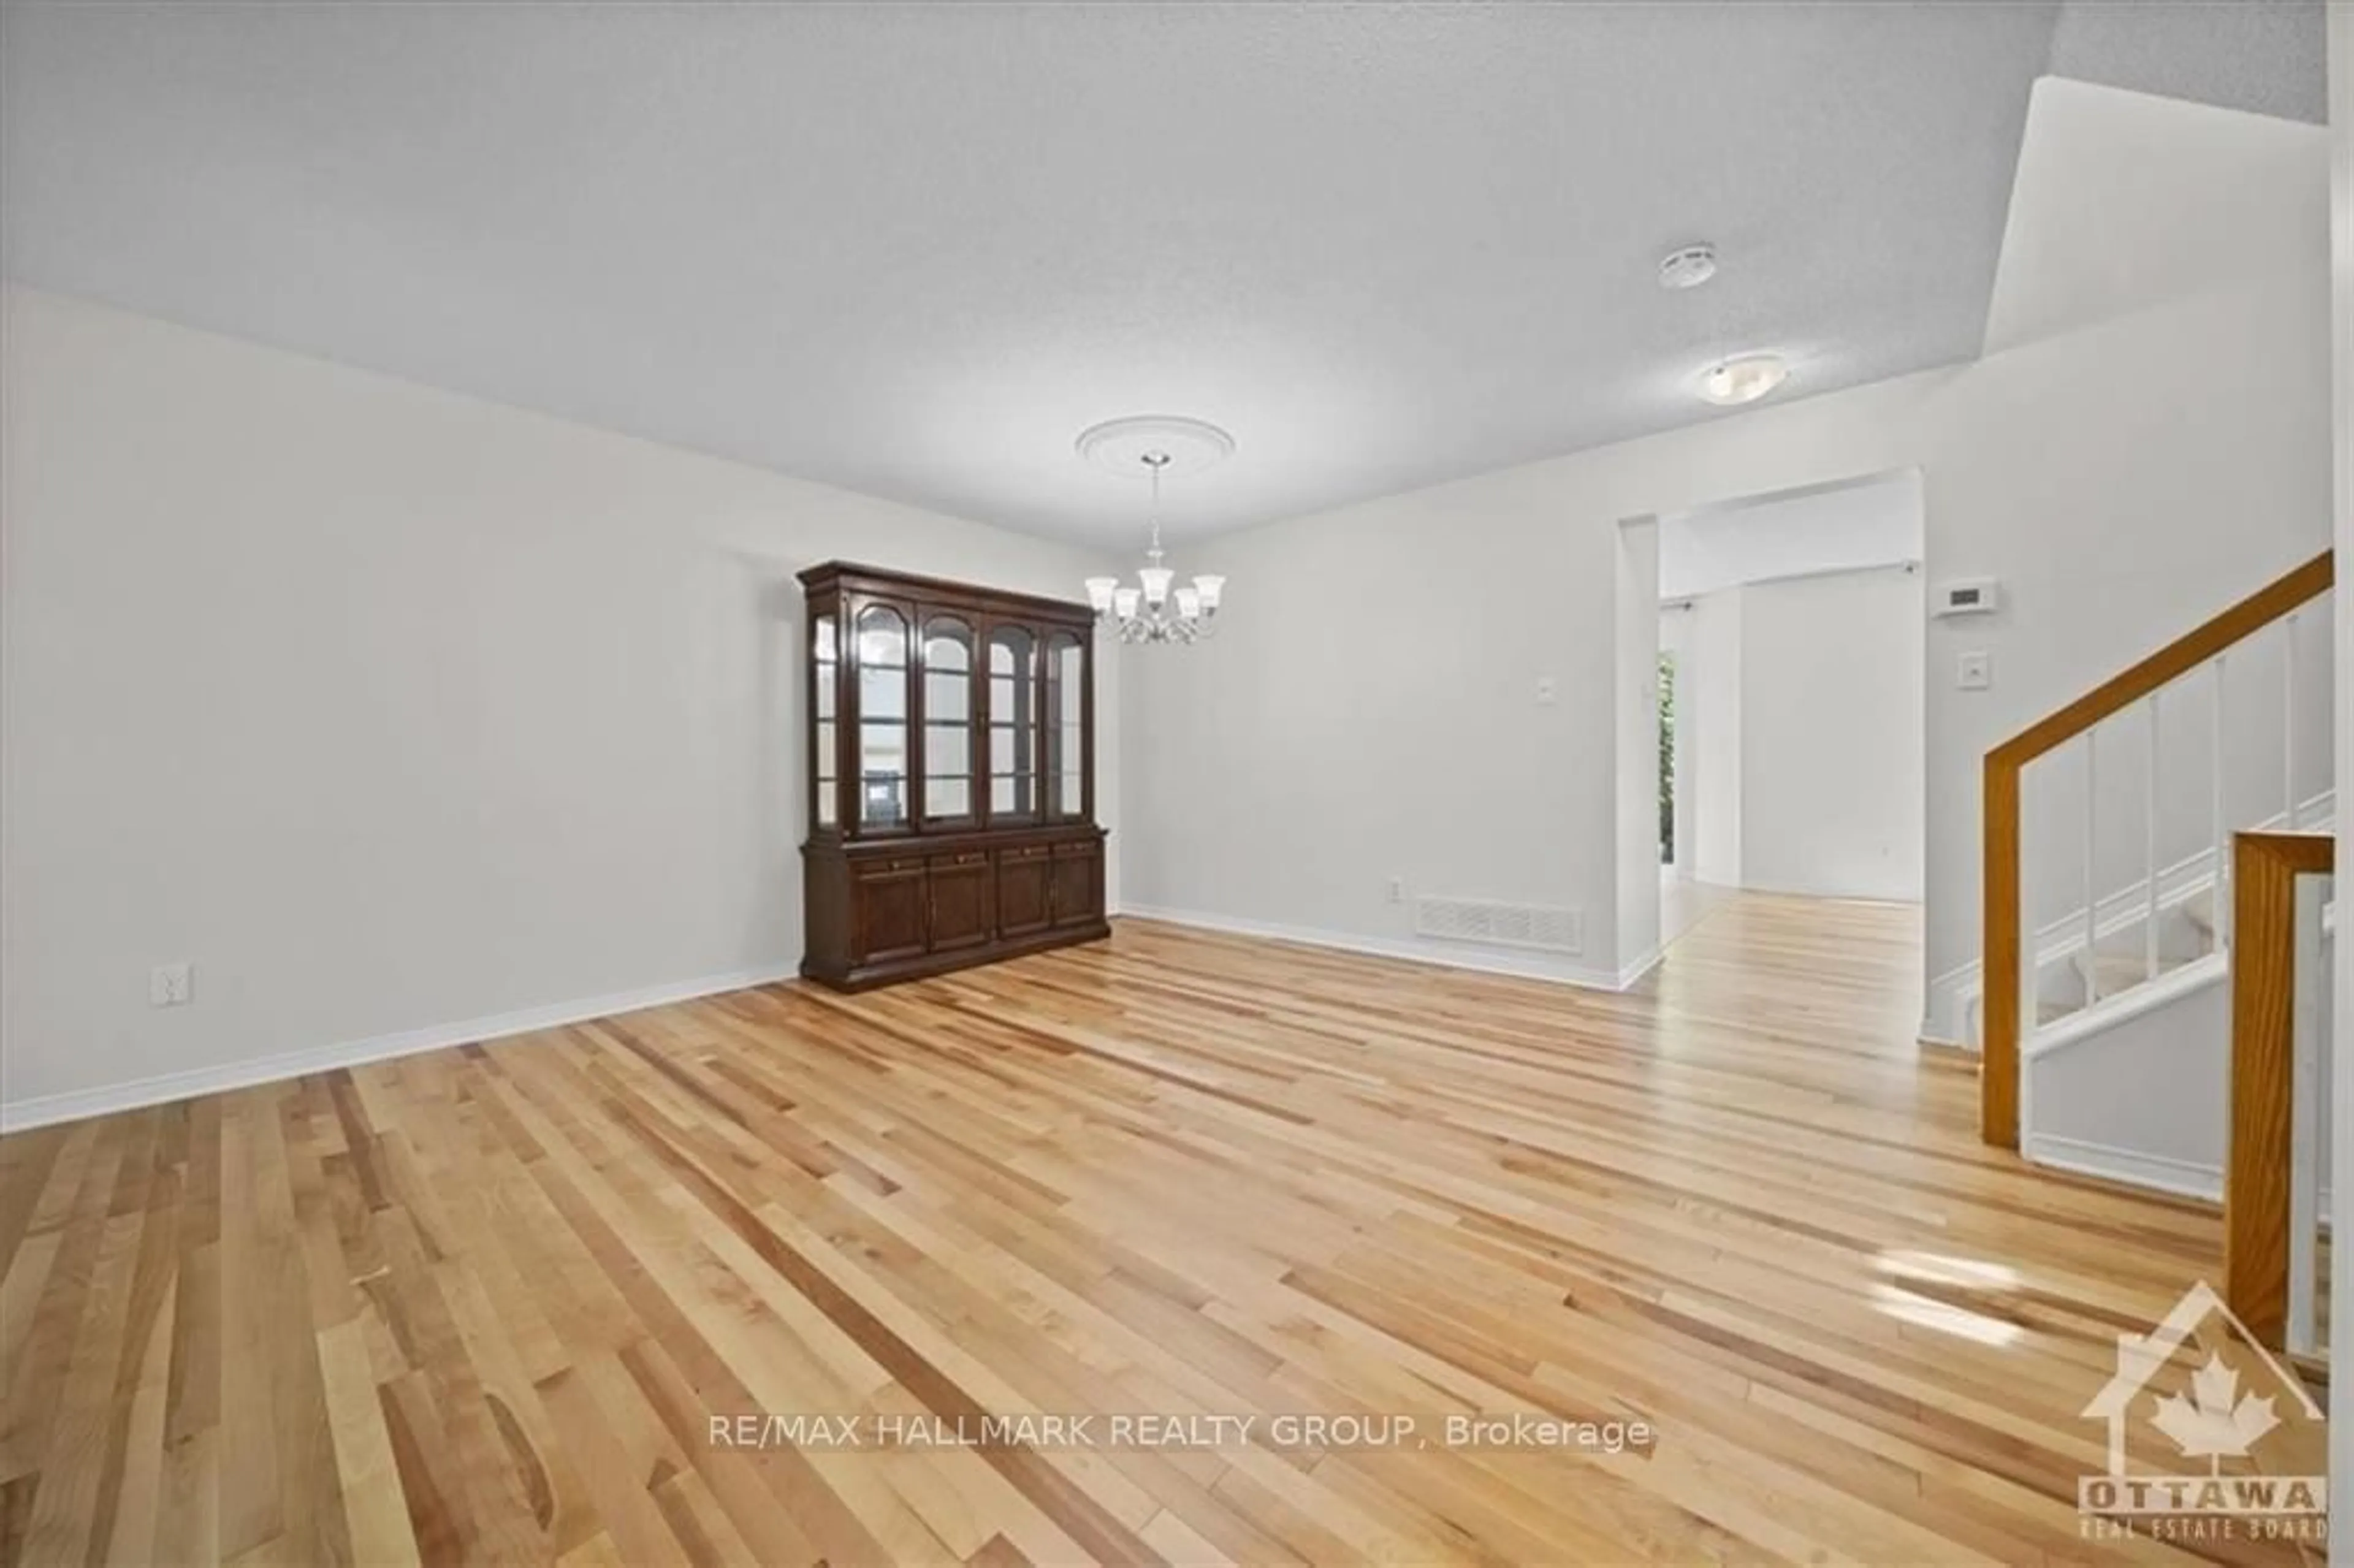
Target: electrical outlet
point(1397, 889)
point(172, 985)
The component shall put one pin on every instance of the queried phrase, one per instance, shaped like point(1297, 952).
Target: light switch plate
point(171, 985)
point(1974, 672)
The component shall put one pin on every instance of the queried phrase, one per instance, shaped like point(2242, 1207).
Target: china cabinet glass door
point(825, 749)
point(1067, 745)
point(1012, 724)
point(949, 668)
point(884, 670)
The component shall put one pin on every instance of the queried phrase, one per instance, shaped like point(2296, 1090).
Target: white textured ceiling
point(2261, 56)
point(913, 250)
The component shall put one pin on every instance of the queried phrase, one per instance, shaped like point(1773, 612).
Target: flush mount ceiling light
point(1688, 268)
point(1150, 446)
point(1743, 379)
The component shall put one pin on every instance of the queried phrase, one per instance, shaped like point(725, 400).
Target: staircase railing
point(2272, 1177)
point(2008, 981)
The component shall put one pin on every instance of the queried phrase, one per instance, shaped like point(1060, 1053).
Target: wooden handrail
point(2180, 657)
point(2264, 869)
point(2000, 951)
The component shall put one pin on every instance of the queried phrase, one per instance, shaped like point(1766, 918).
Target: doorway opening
point(1783, 748)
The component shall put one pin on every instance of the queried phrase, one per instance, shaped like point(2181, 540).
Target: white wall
point(1367, 711)
point(1831, 735)
point(1876, 523)
point(1636, 620)
point(1294, 765)
point(1801, 704)
point(391, 709)
point(2146, 1100)
point(1715, 684)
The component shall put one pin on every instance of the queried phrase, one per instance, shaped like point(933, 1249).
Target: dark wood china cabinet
point(952, 776)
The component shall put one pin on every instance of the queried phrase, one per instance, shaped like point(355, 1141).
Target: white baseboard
point(1486, 960)
point(2180, 1177)
point(18, 1114)
point(1644, 964)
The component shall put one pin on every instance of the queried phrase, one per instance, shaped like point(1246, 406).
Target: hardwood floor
point(484, 1304)
point(1684, 902)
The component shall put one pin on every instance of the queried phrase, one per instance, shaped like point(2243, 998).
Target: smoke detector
point(1688, 268)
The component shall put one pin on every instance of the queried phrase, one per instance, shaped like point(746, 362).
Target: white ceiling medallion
point(1120, 445)
point(1743, 379)
point(1688, 268)
point(1152, 447)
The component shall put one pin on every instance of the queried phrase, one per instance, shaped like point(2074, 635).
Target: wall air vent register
point(1499, 925)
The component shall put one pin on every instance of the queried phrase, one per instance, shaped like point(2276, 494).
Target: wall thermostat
point(1967, 595)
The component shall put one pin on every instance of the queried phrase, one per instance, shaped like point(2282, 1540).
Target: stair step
point(2117, 971)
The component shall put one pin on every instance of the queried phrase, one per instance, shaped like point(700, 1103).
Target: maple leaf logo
point(2217, 1419)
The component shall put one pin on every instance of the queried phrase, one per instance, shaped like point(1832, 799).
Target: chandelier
point(1146, 614)
point(1157, 610)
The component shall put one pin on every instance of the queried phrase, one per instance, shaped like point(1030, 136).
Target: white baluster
point(2092, 900)
point(2288, 722)
point(2219, 884)
point(2150, 849)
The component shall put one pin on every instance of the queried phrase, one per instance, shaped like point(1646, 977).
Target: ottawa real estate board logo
point(2210, 1438)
